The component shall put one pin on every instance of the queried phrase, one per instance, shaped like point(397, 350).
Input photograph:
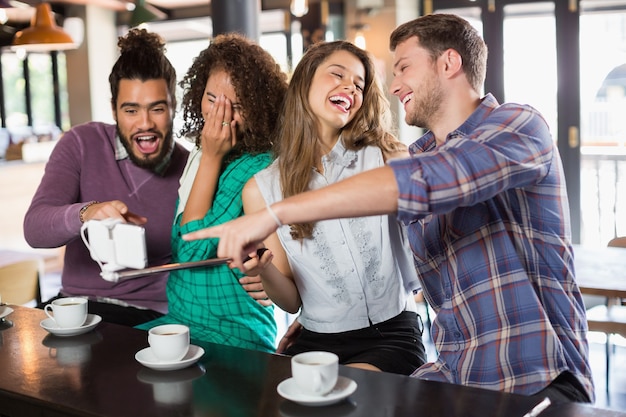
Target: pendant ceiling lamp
point(143, 13)
point(299, 8)
point(43, 35)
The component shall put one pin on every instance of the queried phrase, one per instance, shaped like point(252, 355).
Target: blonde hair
point(297, 138)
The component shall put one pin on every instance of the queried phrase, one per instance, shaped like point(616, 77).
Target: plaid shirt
point(490, 232)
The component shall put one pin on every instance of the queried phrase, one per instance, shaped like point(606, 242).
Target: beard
point(150, 162)
point(426, 106)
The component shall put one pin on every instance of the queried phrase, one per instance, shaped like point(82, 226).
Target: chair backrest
point(19, 281)
point(618, 242)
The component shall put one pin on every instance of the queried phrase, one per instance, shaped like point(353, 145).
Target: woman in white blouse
point(351, 279)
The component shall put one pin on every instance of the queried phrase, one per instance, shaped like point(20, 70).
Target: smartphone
point(129, 241)
point(117, 245)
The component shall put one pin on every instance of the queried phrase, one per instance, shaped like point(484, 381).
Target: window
point(34, 97)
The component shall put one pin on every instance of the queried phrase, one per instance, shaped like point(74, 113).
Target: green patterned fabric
point(210, 300)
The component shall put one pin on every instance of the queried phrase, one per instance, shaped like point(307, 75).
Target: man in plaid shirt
point(485, 198)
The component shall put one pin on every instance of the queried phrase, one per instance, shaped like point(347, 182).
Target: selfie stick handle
point(116, 276)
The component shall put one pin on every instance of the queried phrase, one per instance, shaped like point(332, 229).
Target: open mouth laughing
point(147, 142)
point(341, 101)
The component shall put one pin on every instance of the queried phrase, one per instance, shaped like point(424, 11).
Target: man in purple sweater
point(124, 171)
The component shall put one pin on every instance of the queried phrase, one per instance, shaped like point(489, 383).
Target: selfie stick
point(115, 276)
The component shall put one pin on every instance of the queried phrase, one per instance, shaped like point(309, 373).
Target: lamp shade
point(43, 35)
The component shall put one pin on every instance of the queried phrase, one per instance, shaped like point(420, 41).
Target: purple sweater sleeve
point(82, 168)
point(52, 218)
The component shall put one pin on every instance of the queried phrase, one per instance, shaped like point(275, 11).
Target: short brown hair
point(439, 32)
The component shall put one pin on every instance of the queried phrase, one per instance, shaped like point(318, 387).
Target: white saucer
point(289, 390)
point(50, 326)
point(147, 358)
point(5, 311)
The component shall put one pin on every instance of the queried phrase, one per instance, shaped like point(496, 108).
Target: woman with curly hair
point(351, 279)
point(233, 93)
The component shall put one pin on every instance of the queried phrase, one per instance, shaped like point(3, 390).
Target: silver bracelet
point(82, 211)
point(274, 216)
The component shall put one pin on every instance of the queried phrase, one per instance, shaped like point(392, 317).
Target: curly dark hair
point(259, 83)
point(142, 57)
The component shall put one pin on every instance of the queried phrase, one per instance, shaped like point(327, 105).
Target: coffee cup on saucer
point(315, 373)
point(169, 342)
point(69, 312)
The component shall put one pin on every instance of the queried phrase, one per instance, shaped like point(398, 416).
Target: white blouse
point(353, 272)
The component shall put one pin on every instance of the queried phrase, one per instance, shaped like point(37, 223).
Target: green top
point(210, 300)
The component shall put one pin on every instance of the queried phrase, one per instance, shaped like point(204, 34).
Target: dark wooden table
point(96, 374)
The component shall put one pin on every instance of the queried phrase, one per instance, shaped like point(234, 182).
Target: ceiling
point(168, 6)
point(172, 4)
point(121, 4)
point(171, 7)
point(174, 9)
point(190, 14)
point(19, 15)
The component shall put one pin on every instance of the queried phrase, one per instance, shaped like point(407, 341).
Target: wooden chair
point(19, 282)
point(609, 318)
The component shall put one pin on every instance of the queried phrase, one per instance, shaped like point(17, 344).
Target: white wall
point(88, 67)
point(101, 35)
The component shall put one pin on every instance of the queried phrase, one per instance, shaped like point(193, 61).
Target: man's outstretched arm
point(370, 193)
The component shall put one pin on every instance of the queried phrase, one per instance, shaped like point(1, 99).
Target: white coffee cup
point(68, 312)
point(315, 373)
point(169, 342)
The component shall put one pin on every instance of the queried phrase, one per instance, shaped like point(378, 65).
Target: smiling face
point(416, 83)
point(336, 91)
point(218, 84)
point(144, 114)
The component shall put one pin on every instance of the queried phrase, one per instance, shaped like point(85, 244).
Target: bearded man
point(128, 171)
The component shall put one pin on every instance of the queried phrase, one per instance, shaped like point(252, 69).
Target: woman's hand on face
point(219, 131)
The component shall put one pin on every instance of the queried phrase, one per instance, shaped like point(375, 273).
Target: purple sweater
point(82, 168)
